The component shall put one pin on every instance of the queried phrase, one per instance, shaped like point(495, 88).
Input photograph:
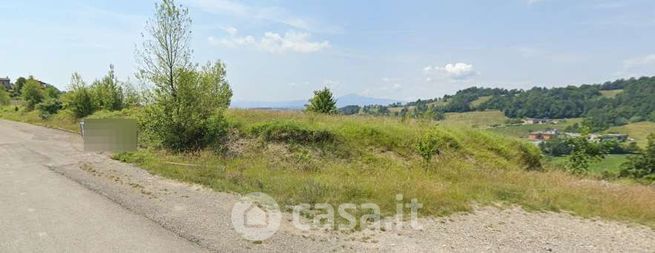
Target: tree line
point(635, 102)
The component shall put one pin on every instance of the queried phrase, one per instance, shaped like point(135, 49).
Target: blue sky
point(282, 50)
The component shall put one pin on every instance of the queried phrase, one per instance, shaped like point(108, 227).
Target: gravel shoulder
point(202, 216)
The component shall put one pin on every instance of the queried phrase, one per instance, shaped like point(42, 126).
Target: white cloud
point(534, 1)
point(298, 42)
point(639, 61)
point(454, 71)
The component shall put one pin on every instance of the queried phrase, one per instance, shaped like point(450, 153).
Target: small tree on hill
point(642, 165)
point(322, 102)
point(428, 147)
point(32, 94)
point(583, 152)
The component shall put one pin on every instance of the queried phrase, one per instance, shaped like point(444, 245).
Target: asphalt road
point(43, 211)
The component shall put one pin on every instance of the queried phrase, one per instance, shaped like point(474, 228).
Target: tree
point(18, 86)
point(322, 102)
point(51, 92)
point(107, 92)
point(350, 109)
point(185, 110)
point(165, 54)
point(643, 164)
point(79, 99)
point(583, 152)
point(32, 94)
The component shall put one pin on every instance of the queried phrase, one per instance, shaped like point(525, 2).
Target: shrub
point(79, 99)
point(530, 157)
point(107, 93)
point(49, 107)
point(32, 94)
point(5, 99)
point(322, 102)
point(193, 117)
point(642, 165)
point(427, 147)
point(289, 132)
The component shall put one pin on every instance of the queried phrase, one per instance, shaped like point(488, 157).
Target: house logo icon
point(256, 216)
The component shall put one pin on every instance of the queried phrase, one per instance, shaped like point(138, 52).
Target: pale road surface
point(56, 198)
point(42, 211)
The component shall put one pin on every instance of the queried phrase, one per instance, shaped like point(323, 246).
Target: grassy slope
point(611, 163)
point(480, 101)
point(610, 93)
point(474, 119)
point(373, 159)
point(639, 131)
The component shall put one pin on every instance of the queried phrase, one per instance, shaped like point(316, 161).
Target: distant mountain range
point(350, 99)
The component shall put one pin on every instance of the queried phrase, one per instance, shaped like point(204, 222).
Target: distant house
point(5, 82)
point(609, 137)
point(543, 135)
point(534, 121)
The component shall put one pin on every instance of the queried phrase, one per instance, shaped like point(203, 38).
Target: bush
point(556, 147)
point(530, 157)
point(427, 147)
point(290, 132)
point(192, 117)
point(107, 93)
point(643, 165)
point(49, 107)
point(79, 99)
point(5, 99)
point(32, 94)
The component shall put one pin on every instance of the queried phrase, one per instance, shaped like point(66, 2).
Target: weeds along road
point(56, 198)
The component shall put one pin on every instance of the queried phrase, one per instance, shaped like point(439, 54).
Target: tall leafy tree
point(185, 110)
point(322, 102)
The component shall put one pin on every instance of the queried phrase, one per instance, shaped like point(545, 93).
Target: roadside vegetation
point(318, 156)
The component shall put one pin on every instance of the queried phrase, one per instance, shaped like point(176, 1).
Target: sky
point(279, 50)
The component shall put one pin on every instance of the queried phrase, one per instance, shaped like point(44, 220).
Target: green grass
point(371, 159)
point(480, 101)
point(610, 93)
point(474, 119)
point(638, 131)
point(611, 164)
point(64, 120)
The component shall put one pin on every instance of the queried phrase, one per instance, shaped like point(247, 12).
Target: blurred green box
point(109, 135)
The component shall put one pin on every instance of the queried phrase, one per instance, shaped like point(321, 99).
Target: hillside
point(602, 105)
point(298, 157)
